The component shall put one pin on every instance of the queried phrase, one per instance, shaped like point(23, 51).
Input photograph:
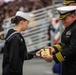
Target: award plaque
point(45, 52)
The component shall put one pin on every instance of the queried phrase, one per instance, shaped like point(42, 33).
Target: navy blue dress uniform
point(15, 51)
point(66, 50)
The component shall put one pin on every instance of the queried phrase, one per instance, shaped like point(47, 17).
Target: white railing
point(35, 35)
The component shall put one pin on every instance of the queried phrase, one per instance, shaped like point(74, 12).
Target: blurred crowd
point(9, 9)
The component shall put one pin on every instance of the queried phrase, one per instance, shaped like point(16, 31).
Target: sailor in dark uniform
point(65, 51)
point(15, 51)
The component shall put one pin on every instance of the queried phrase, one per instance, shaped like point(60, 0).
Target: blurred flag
point(55, 30)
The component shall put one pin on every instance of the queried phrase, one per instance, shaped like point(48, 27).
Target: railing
point(35, 35)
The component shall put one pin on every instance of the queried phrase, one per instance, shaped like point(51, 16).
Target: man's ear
point(21, 22)
point(72, 15)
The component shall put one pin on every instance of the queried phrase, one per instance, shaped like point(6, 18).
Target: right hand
point(48, 58)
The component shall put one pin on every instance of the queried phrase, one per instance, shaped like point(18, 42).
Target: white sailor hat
point(31, 14)
point(23, 15)
point(66, 2)
point(65, 11)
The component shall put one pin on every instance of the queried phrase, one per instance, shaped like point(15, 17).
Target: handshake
point(46, 53)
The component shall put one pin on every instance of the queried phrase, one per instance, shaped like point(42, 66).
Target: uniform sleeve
point(68, 50)
point(13, 56)
point(30, 56)
point(58, 47)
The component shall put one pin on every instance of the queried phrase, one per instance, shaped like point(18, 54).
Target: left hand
point(48, 58)
point(38, 53)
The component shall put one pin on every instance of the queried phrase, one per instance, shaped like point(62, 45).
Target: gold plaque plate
point(45, 52)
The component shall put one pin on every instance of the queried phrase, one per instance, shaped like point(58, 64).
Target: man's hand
point(48, 58)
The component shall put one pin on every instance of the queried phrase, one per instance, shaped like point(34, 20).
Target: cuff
point(58, 57)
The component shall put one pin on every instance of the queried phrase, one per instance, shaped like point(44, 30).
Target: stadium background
point(44, 29)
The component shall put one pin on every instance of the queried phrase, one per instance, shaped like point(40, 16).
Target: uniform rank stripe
point(58, 47)
point(59, 57)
